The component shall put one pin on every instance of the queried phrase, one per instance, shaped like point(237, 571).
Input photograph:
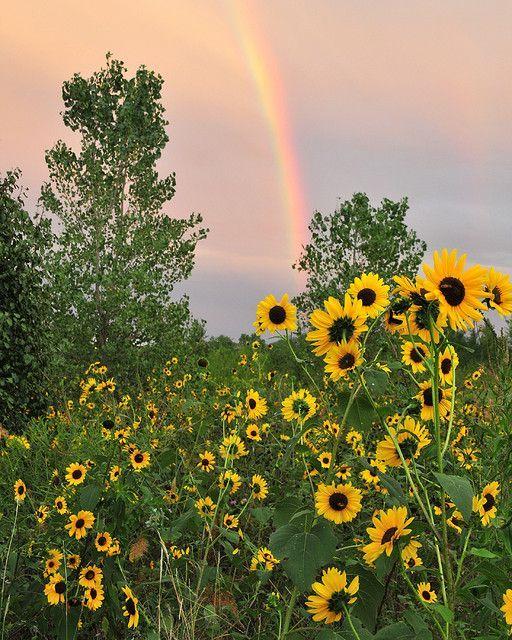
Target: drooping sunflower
point(487, 503)
point(299, 405)
point(206, 461)
point(460, 291)
point(426, 593)
point(55, 589)
point(448, 362)
point(94, 597)
point(342, 359)
point(255, 405)
point(79, 523)
point(336, 323)
point(339, 503)
point(75, 473)
point(499, 287)
point(130, 609)
point(414, 355)
point(103, 541)
point(425, 396)
point(273, 315)
point(331, 596)
point(259, 487)
point(230, 480)
point(411, 438)
point(205, 506)
point(388, 527)
point(140, 459)
point(507, 606)
point(373, 293)
point(394, 319)
point(42, 513)
point(20, 491)
point(90, 576)
point(233, 447)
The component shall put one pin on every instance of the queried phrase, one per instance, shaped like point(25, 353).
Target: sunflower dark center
point(256, 488)
point(446, 365)
point(417, 354)
point(102, 541)
point(108, 424)
point(496, 292)
point(277, 314)
point(252, 403)
point(139, 457)
point(338, 501)
point(130, 607)
point(489, 502)
point(77, 473)
point(206, 462)
point(341, 329)
point(392, 319)
point(428, 398)
point(453, 290)
point(90, 575)
point(336, 602)
point(60, 587)
point(388, 535)
point(21, 490)
point(79, 523)
point(93, 593)
point(426, 595)
point(367, 296)
point(347, 361)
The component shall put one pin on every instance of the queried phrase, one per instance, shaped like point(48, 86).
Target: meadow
point(342, 477)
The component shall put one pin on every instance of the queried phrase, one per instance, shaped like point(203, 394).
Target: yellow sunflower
point(273, 315)
point(253, 432)
point(255, 405)
point(486, 505)
point(20, 491)
point(411, 438)
point(507, 606)
point(233, 447)
point(230, 480)
point(230, 522)
point(61, 505)
point(448, 362)
point(342, 359)
point(325, 459)
point(388, 527)
point(336, 323)
point(75, 473)
point(103, 541)
point(339, 503)
point(414, 355)
point(206, 461)
point(300, 406)
point(140, 459)
point(79, 523)
point(55, 589)
point(395, 320)
point(259, 487)
point(425, 396)
point(459, 291)
point(205, 506)
point(372, 292)
point(331, 596)
point(130, 609)
point(94, 597)
point(426, 593)
point(499, 287)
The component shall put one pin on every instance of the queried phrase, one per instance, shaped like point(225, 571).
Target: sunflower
point(395, 320)
point(448, 361)
point(205, 506)
point(259, 487)
point(79, 523)
point(300, 406)
point(230, 522)
point(426, 593)
point(336, 323)
point(233, 447)
point(55, 589)
point(103, 541)
point(342, 359)
point(507, 606)
point(20, 491)
point(499, 287)
point(90, 576)
point(487, 502)
point(94, 597)
point(325, 459)
point(73, 561)
point(425, 396)
point(459, 291)
point(372, 292)
point(339, 503)
point(130, 609)
point(61, 505)
point(42, 514)
point(388, 526)
point(410, 550)
point(253, 432)
point(255, 405)
point(273, 315)
point(343, 472)
point(332, 595)
point(75, 473)
point(411, 437)
point(51, 566)
point(263, 559)
point(114, 473)
point(206, 461)
point(414, 355)
point(140, 460)
point(230, 480)
point(371, 475)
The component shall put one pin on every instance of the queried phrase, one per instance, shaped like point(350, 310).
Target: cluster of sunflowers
point(262, 483)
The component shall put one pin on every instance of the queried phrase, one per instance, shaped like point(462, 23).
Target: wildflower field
point(344, 477)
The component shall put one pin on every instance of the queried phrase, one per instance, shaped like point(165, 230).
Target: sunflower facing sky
point(339, 503)
point(372, 292)
point(299, 406)
point(388, 527)
point(275, 315)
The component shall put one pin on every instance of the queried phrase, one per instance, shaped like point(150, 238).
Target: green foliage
point(356, 237)
point(23, 308)
point(117, 253)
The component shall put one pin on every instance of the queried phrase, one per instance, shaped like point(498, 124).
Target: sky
point(278, 108)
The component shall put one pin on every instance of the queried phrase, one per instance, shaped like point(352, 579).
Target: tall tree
point(23, 306)
point(118, 254)
point(356, 237)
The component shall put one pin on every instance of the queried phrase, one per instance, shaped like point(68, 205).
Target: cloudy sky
point(280, 107)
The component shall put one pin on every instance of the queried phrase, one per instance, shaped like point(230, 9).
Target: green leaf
point(89, 497)
point(444, 612)
point(460, 491)
point(369, 597)
point(285, 510)
point(395, 631)
point(420, 627)
point(482, 553)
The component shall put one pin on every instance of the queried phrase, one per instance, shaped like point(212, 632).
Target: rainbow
point(264, 70)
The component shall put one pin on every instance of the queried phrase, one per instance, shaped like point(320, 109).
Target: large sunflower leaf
point(460, 491)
